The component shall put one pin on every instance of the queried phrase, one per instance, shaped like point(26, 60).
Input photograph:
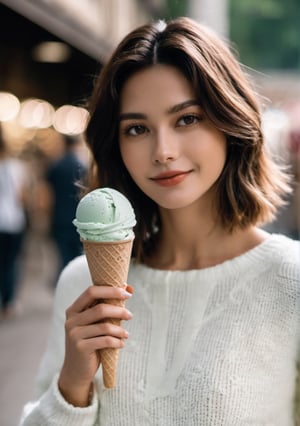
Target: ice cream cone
point(108, 264)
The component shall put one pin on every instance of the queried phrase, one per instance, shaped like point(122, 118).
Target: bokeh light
point(70, 119)
point(36, 113)
point(9, 106)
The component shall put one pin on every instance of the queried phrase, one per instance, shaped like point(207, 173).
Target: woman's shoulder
point(288, 251)
point(286, 264)
point(74, 279)
point(77, 267)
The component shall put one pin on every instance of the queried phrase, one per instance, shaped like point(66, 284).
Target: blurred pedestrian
point(12, 225)
point(64, 176)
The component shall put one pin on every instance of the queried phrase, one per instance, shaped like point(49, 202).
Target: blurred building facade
point(214, 13)
point(93, 26)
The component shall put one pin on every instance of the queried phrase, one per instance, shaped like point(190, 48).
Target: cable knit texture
point(209, 347)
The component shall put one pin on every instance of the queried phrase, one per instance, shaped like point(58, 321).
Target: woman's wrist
point(76, 395)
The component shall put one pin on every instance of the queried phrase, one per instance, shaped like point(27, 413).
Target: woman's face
point(171, 150)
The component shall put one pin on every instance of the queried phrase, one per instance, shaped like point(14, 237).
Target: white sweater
point(209, 347)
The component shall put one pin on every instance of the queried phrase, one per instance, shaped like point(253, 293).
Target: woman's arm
point(86, 333)
point(59, 370)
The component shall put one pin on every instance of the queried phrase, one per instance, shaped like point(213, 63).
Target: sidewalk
point(24, 337)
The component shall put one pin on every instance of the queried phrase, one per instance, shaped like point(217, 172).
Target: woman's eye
point(135, 130)
point(188, 120)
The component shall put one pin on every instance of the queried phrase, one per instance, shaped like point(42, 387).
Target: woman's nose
point(165, 149)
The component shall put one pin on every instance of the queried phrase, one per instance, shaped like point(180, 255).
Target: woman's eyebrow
point(182, 105)
point(132, 116)
point(171, 110)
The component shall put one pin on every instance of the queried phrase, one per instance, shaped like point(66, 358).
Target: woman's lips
point(170, 178)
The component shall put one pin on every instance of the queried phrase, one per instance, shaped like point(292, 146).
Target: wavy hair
point(251, 186)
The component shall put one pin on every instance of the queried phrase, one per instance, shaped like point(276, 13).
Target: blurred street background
point(50, 51)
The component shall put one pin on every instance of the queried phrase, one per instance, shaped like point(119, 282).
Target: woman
point(212, 328)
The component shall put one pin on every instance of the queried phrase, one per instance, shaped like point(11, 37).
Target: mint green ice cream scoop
point(105, 214)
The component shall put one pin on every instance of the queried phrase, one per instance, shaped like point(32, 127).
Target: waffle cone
point(108, 264)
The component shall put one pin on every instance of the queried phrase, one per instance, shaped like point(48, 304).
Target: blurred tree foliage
point(266, 33)
point(165, 9)
point(174, 8)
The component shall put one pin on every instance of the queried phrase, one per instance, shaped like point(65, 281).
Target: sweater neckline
point(258, 256)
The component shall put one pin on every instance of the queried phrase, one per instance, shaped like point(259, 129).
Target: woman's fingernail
point(126, 334)
point(130, 315)
point(129, 289)
point(125, 293)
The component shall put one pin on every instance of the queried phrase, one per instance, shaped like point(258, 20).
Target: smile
point(170, 178)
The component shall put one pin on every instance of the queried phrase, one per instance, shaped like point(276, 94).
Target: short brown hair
point(251, 186)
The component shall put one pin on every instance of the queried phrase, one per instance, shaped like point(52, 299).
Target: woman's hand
point(86, 333)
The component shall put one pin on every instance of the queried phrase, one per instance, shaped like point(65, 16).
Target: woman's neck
point(190, 240)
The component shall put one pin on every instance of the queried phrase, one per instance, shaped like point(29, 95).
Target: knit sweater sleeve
point(290, 272)
point(50, 408)
point(297, 393)
point(296, 276)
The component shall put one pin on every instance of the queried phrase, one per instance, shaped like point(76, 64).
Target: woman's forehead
point(160, 85)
